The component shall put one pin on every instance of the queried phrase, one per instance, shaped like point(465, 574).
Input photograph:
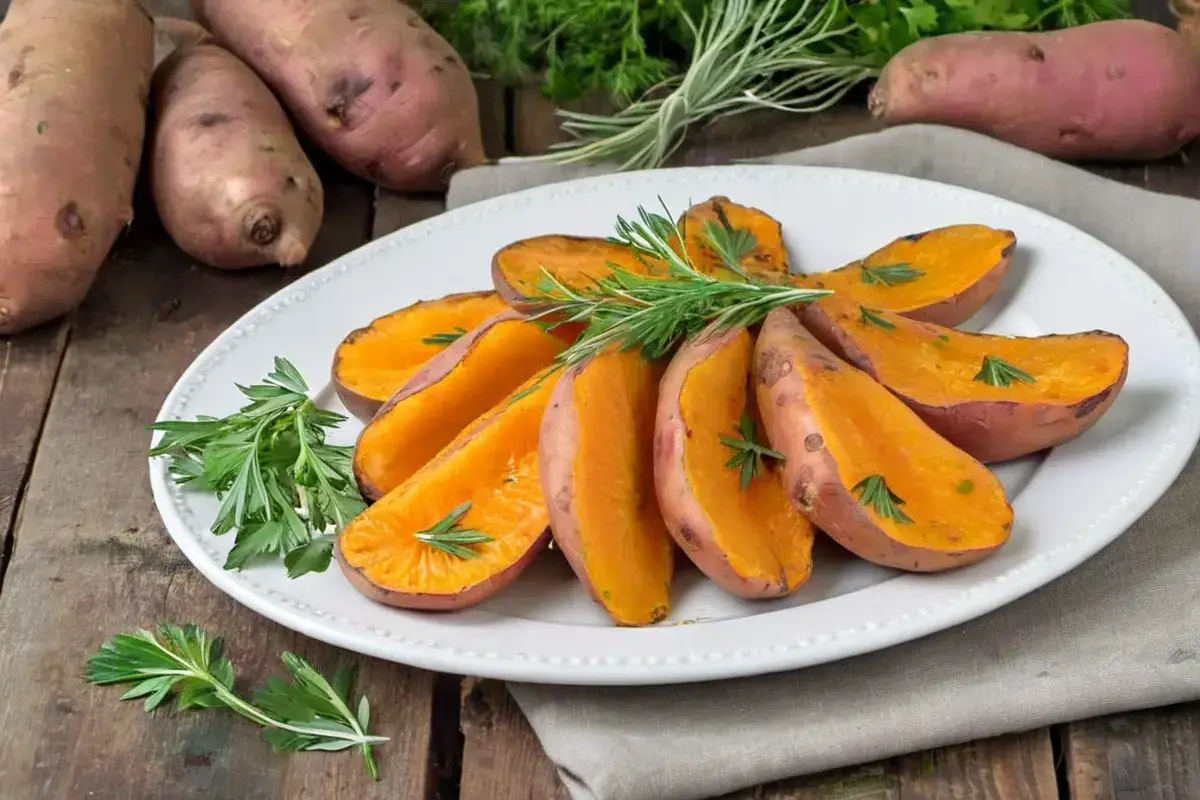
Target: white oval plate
point(543, 628)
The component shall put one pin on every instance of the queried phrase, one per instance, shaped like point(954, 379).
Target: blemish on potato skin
point(211, 119)
point(395, 87)
point(1008, 249)
point(915, 237)
point(805, 495)
point(15, 75)
point(356, 13)
point(343, 93)
point(1036, 54)
point(69, 221)
point(814, 442)
point(562, 499)
point(687, 534)
point(1085, 407)
point(772, 367)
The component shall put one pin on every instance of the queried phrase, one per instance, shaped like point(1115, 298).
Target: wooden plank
point(91, 559)
point(1150, 755)
point(1015, 767)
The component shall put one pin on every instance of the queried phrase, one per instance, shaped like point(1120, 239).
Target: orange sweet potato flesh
point(372, 362)
point(493, 465)
point(838, 428)
point(596, 460)
point(768, 259)
point(446, 394)
point(956, 268)
point(937, 371)
point(752, 543)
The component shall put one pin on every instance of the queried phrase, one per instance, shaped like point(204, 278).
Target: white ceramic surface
point(1068, 504)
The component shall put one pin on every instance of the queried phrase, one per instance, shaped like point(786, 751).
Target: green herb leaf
point(729, 243)
point(445, 338)
point(748, 452)
point(185, 660)
point(998, 372)
point(889, 274)
point(281, 485)
point(873, 492)
point(870, 316)
point(965, 486)
point(449, 537)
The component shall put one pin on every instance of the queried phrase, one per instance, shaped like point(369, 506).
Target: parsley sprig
point(748, 452)
point(304, 713)
point(282, 486)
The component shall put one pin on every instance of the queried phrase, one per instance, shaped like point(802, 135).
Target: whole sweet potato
point(864, 467)
point(367, 80)
point(1118, 89)
point(74, 79)
point(231, 183)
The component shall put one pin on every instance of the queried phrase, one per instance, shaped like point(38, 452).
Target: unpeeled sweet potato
point(492, 466)
point(441, 398)
point(374, 361)
point(367, 80)
point(750, 540)
point(864, 467)
point(74, 81)
point(596, 462)
point(954, 382)
point(231, 183)
point(1117, 89)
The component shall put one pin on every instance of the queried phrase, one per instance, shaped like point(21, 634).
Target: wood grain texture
point(1151, 755)
point(92, 559)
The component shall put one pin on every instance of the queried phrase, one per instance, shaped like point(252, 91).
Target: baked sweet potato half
point(472, 374)
point(372, 362)
point(764, 256)
point(864, 467)
point(466, 524)
point(996, 397)
point(943, 275)
point(723, 502)
point(596, 461)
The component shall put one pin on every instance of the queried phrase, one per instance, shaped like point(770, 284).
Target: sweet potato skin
point(1117, 89)
point(231, 183)
point(73, 121)
point(367, 80)
point(810, 470)
point(990, 430)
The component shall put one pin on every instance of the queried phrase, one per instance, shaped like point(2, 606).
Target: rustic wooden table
point(85, 556)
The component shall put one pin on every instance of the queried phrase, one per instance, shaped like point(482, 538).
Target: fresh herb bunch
point(306, 713)
point(282, 486)
point(656, 313)
point(793, 55)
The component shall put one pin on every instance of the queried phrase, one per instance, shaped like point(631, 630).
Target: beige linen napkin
point(1120, 632)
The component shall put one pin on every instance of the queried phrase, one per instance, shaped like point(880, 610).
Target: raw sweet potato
point(1117, 89)
point(864, 467)
point(596, 461)
point(441, 398)
point(367, 80)
point(943, 275)
point(374, 361)
point(575, 261)
point(747, 537)
point(73, 94)
point(768, 259)
point(963, 384)
point(394, 553)
point(231, 183)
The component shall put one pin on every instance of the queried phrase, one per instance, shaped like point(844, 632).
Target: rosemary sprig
point(625, 310)
point(869, 316)
point(890, 274)
point(281, 485)
point(748, 452)
point(874, 493)
point(448, 337)
point(449, 537)
point(729, 243)
point(306, 713)
point(998, 372)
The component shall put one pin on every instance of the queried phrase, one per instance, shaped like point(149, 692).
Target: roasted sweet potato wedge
point(575, 261)
point(942, 275)
point(996, 397)
point(466, 524)
point(767, 258)
point(444, 396)
point(372, 362)
point(864, 467)
point(596, 461)
point(732, 518)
